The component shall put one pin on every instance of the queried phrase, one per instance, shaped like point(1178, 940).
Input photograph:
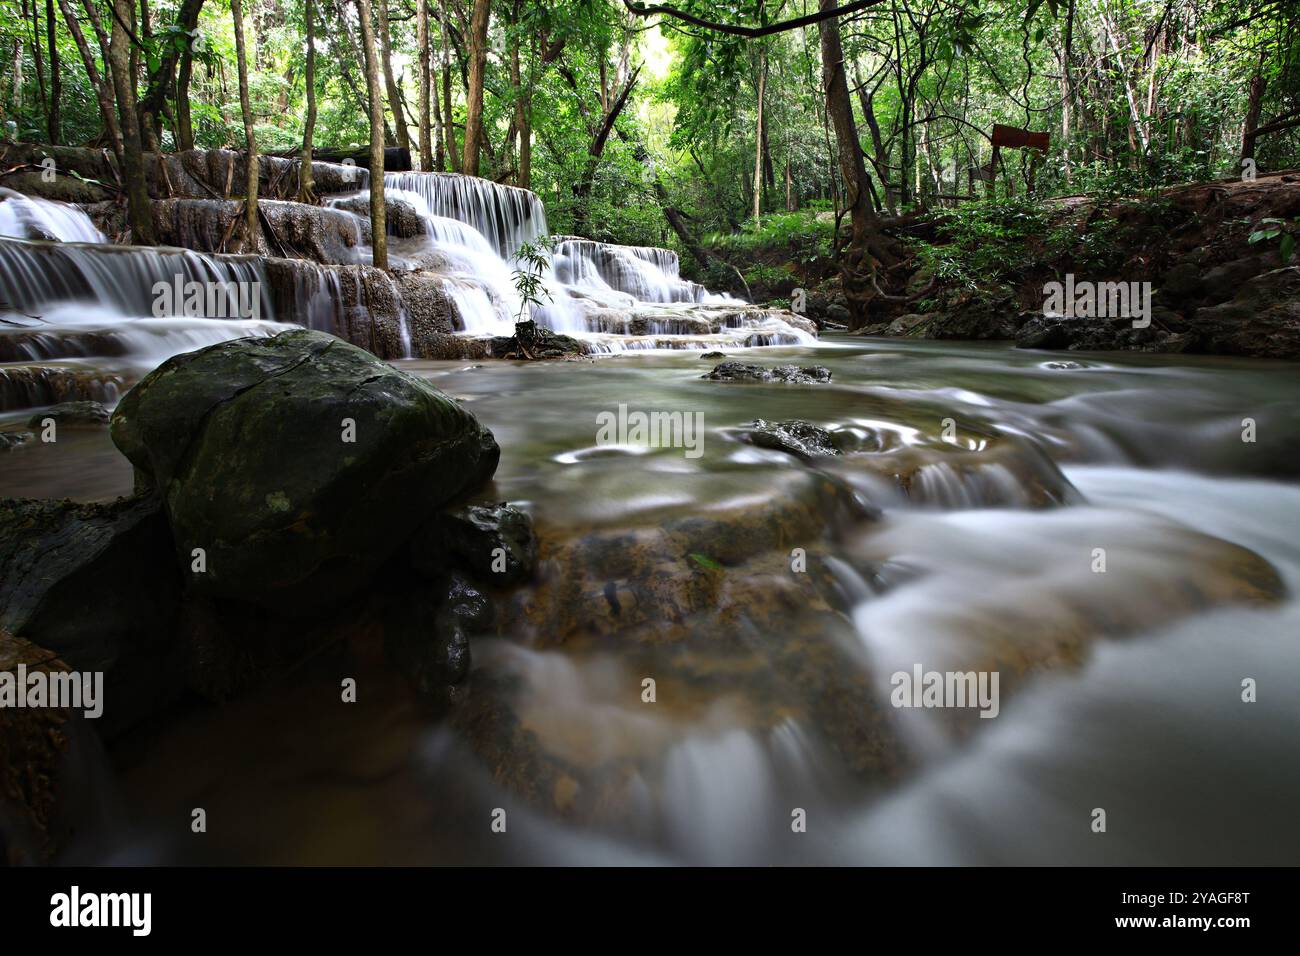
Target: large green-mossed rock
point(298, 464)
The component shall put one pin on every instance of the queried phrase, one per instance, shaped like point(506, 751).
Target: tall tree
point(53, 120)
point(378, 219)
point(390, 81)
point(759, 137)
point(139, 209)
point(478, 31)
point(251, 226)
point(103, 92)
point(422, 52)
point(867, 247)
point(307, 185)
point(448, 122)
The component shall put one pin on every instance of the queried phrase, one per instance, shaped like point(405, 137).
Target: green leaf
point(705, 562)
point(1287, 247)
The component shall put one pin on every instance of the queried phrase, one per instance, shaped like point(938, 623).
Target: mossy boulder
point(297, 463)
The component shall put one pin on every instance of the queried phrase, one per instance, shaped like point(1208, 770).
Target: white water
point(29, 217)
point(37, 276)
point(592, 290)
point(505, 216)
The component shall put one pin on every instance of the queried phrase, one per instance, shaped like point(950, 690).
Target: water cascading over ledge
point(450, 292)
point(506, 216)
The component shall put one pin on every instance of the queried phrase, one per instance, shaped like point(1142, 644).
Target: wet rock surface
point(11, 440)
point(72, 415)
point(787, 374)
point(495, 542)
point(298, 463)
point(802, 439)
point(98, 585)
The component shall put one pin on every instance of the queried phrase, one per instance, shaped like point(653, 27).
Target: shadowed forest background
point(705, 127)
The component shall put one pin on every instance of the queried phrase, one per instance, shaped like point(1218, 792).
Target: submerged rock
point(30, 386)
point(739, 631)
point(297, 464)
point(802, 439)
point(10, 440)
point(713, 355)
point(72, 414)
point(791, 374)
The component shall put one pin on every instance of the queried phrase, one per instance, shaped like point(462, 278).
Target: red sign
point(1015, 138)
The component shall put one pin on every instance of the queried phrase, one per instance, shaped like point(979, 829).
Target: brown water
point(1122, 690)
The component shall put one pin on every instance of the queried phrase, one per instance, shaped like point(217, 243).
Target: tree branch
point(641, 10)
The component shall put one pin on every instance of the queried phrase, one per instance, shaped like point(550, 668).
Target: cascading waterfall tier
point(135, 281)
point(612, 297)
point(30, 217)
point(82, 319)
point(506, 216)
point(644, 273)
point(67, 295)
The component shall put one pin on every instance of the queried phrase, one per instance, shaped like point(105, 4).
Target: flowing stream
point(1121, 690)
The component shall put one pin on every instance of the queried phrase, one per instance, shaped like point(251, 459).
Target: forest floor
point(1208, 265)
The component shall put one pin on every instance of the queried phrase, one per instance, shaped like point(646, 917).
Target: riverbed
point(985, 481)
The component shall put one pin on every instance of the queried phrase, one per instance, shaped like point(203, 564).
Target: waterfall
point(126, 308)
point(28, 217)
point(130, 280)
point(80, 293)
point(505, 216)
point(645, 273)
point(478, 280)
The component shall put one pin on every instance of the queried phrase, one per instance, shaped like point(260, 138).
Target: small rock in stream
point(802, 439)
point(72, 414)
point(789, 374)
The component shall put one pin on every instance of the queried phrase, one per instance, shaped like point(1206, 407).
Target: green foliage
point(1281, 230)
point(532, 259)
point(1160, 96)
point(987, 242)
point(805, 234)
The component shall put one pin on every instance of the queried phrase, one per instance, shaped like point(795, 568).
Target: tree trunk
point(251, 228)
point(184, 123)
point(477, 66)
point(162, 76)
point(867, 246)
point(139, 210)
point(103, 96)
point(1253, 105)
point(422, 46)
point(378, 221)
point(38, 58)
point(16, 96)
point(758, 139)
point(523, 123)
point(306, 184)
point(444, 45)
point(582, 189)
point(54, 122)
point(390, 82)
